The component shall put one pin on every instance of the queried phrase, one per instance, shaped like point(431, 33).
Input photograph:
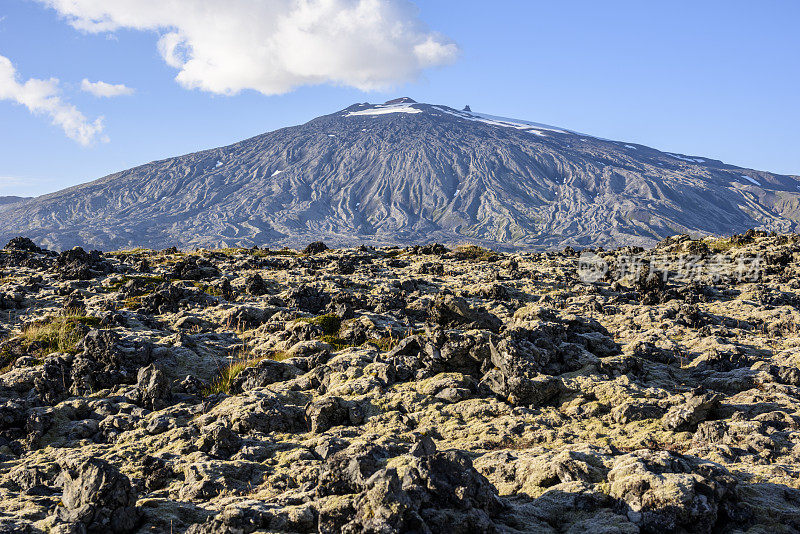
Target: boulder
point(307, 298)
point(155, 391)
point(694, 410)
point(440, 492)
point(316, 247)
point(452, 311)
point(194, 268)
point(262, 374)
point(97, 496)
point(23, 244)
point(328, 412)
point(218, 441)
point(254, 284)
point(663, 492)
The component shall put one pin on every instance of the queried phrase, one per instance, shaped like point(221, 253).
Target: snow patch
point(516, 123)
point(219, 164)
point(503, 122)
point(457, 192)
point(535, 128)
point(276, 173)
point(384, 109)
point(631, 147)
point(684, 158)
point(750, 179)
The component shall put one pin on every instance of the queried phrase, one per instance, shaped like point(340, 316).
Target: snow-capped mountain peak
point(409, 172)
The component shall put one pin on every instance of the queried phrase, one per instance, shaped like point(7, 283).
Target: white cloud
point(105, 90)
point(42, 97)
point(274, 46)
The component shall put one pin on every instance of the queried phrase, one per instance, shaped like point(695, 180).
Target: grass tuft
point(208, 289)
point(56, 334)
point(224, 380)
point(336, 342)
point(720, 245)
point(385, 344)
point(475, 253)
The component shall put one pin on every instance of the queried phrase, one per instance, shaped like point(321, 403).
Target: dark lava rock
point(440, 492)
point(452, 311)
point(347, 470)
point(262, 374)
point(219, 442)
point(307, 298)
point(106, 360)
point(254, 285)
point(331, 411)
point(23, 244)
point(315, 248)
point(77, 264)
point(173, 298)
point(194, 268)
point(154, 388)
point(435, 249)
point(98, 497)
point(690, 413)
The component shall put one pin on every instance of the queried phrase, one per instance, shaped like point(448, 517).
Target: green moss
point(232, 251)
point(267, 253)
point(262, 253)
point(148, 280)
point(132, 303)
point(384, 344)
point(279, 356)
point(7, 359)
point(129, 252)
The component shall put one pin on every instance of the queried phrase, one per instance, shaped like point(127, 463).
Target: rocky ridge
point(418, 389)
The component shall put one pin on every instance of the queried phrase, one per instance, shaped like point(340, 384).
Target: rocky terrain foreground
point(393, 389)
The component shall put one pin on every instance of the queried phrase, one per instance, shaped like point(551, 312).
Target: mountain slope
point(404, 172)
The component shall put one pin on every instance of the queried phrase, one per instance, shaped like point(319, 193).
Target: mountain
point(404, 172)
point(5, 201)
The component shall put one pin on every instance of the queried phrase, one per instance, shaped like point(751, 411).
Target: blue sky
point(719, 79)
